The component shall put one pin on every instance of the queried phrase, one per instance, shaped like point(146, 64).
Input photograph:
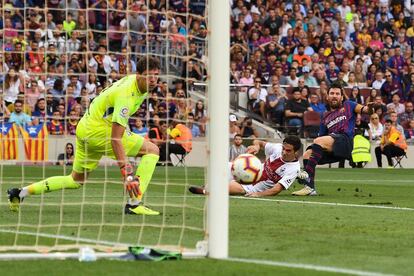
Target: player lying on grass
point(335, 141)
point(102, 131)
point(279, 170)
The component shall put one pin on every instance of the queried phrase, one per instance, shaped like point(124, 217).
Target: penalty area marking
point(308, 267)
point(326, 203)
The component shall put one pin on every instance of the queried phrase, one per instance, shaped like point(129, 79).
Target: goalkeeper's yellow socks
point(145, 171)
point(50, 184)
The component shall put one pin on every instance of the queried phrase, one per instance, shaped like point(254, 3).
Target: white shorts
point(258, 187)
point(252, 188)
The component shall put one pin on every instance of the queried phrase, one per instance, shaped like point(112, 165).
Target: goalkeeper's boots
point(197, 190)
point(14, 199)
point(305, 191)
point(139, 209)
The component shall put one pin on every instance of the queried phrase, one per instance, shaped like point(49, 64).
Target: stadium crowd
point(284, 55)
point(58, 55)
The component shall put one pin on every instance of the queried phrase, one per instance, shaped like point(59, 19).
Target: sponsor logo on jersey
point(337, 120)
point(124, 112)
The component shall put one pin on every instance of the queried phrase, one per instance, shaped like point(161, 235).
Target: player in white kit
point(279, 170)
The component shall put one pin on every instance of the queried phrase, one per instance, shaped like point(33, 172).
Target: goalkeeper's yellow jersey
point(116, 103)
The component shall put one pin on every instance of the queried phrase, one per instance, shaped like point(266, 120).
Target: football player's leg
point(320, 144)
point(135, 146)
point(235, 188)
point(83, 164)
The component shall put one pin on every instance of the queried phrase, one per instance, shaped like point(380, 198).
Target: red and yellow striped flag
point(8, 141)
point(35, 142)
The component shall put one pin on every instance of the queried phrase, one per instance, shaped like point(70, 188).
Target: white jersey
point(275, 170)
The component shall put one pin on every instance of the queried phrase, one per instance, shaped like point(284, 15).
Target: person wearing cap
point(308, 78)
point(234, 127)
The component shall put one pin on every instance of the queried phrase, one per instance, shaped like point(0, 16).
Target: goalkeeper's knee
point(71, 183)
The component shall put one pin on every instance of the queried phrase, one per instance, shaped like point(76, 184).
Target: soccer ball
point(247, 168)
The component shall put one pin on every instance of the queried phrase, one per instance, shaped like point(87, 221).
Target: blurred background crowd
point(57, 55)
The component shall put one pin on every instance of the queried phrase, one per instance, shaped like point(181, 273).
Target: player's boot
point(197, 190)
point(305, 191)
point(14, 199)
point(140, 209)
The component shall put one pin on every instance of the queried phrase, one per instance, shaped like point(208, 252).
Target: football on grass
point(247, 168)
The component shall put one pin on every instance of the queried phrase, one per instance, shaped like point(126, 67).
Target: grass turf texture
point(351, 237)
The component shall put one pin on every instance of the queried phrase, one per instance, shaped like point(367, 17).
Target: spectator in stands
point(200, 115)
point(275, 104)
point(234, 127)
point(55, 125)
point(67, 157)
point(393, 116)
point(257, 97)
point(181, 144)
point(392, 144)
point(18, 116)
point(316, 105)
point(294, 110)
point(356, 95)
point(25, 108)
point(308, 78)
point(13, 84)
point(409, 132)
point(373, 93)
point(72, 123)
point(390, 87)
point(158, 130)
point(247, 129)
point(292, 79)
point(4, 111)
point(408, 114)
point(195, 129)
point(139, 128)
point(376, 127)
point(379, 80)
point(237, 147)
point(396, 105)
point(58, 91)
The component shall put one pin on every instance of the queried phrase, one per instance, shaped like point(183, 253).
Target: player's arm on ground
point(276, 189)
point(256, 146)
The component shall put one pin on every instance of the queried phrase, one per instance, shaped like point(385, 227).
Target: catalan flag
point(35, 142)
point(8, 141)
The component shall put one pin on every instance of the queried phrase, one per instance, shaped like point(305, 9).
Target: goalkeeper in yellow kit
point(102, 131)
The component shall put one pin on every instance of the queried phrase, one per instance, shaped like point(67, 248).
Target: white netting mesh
point(57, 56)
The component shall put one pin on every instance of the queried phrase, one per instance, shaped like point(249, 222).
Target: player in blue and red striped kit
point(335, 141)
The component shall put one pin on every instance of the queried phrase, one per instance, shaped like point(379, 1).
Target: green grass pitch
point(353, 223)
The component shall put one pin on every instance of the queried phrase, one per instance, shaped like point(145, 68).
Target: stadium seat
point(311, 124)
point(397, 160)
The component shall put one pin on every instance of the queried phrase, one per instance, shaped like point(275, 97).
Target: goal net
point(59, 56)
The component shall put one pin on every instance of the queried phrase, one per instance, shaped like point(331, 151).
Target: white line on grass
point(251, 261)
point(62, 237)
point(309, 267)
point(327, 203)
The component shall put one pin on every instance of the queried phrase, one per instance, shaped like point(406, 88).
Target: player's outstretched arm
point(131, 182)
point(256, 146)
point(276, 189)
point(369, 108)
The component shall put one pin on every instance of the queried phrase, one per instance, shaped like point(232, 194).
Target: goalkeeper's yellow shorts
point(94, 142)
